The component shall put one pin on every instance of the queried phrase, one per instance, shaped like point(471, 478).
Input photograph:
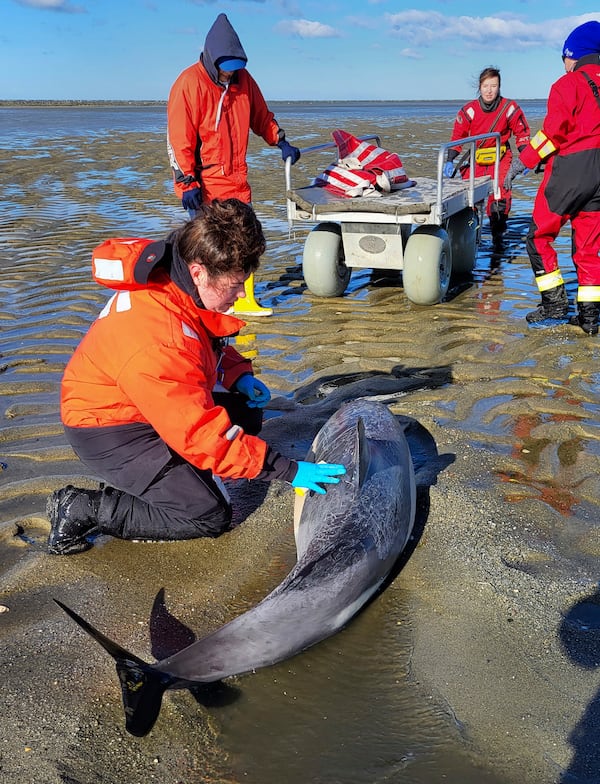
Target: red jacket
point(154, 356)
point(208, 127)
point(473, 120)
point(572, 121)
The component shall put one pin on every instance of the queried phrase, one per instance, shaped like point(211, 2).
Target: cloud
point(362, 22)
point(52, 5)
point(502, 32)
point(304, 28)
point(411, 54)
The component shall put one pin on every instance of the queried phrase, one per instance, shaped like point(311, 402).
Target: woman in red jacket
point(569, 147)
point(488, 113)
point(154, 400)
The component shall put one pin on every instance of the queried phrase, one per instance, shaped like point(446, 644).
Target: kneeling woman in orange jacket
point(156, 403)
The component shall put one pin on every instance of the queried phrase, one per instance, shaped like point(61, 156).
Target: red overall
point(569, 143)
point(507, 119)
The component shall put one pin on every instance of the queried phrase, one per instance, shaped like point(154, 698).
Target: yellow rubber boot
point(247, 305)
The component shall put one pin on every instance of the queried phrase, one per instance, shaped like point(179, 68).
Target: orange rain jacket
point(154, 356)
point(208, 127)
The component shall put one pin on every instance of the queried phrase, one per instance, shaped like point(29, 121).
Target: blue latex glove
point(192, 199)
point(257, 393)
point(448, 169)
point(311, 476)
point(288, 151)
point(516, 167)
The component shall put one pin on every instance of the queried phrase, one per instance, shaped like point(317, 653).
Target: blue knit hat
point(583, 40)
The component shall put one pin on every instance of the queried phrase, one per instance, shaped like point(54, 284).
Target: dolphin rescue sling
point(362, 169)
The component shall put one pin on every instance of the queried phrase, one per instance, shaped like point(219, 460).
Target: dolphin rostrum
point(347, 542)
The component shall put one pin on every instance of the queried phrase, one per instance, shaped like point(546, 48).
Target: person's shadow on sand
point(579, 634)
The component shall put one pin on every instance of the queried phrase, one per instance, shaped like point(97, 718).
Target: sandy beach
point(479, 663)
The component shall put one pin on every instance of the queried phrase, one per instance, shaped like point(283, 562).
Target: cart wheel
point(463, 235)
point(323, 267)
point(427, 265)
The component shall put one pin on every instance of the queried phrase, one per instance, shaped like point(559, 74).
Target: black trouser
point(152, 492)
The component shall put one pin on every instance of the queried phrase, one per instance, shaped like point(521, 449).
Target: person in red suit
point(490, 112)
point(568, 147)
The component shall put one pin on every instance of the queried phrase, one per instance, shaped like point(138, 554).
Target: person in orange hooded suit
point(213, 105)
point(156, 402)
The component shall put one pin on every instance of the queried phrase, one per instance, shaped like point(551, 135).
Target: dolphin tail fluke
point(142, 686)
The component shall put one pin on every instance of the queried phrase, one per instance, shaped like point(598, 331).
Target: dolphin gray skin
point(347, 542)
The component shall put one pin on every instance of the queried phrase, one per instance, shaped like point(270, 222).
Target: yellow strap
point(549, 281)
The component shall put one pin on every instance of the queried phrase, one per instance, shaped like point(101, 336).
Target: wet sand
point(498, 603)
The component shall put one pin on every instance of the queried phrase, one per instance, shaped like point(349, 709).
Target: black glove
point(288, 151)
point(516, 167)
point(192, 199)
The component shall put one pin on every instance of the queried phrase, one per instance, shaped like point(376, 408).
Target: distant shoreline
point(96, 103)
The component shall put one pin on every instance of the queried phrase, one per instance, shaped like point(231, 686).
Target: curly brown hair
point(225, 236)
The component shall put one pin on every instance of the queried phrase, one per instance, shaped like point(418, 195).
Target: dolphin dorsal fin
point(363, 454)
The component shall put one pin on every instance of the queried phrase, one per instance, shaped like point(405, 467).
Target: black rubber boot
point(73, 516)
point(554, 305)
point(498, 227)
point(587, 317)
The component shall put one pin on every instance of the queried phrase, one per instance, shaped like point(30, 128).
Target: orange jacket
point(208, 127)
point(154, 356)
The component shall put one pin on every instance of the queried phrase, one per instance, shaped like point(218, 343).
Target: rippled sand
point(478, 642)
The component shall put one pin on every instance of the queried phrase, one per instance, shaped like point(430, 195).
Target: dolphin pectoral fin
point(298, 507)
point(142, 686)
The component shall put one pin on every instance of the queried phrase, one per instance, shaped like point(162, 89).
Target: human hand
point(288, 151)
point(257, 393)
point(310, 476)
point(516, 167)
point(448, 169)
point(192, 199)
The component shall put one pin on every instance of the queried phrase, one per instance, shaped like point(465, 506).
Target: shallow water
point(347, 711)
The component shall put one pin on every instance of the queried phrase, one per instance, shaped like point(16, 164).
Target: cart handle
point(470, 142)
point(315, 148)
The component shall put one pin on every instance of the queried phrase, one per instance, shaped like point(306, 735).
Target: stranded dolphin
point(347, 542)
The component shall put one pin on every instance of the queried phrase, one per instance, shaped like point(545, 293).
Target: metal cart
point(429, 231)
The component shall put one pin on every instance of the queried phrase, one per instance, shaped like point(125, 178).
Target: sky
point(297, 49)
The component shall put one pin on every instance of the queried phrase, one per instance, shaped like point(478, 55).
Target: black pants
point(152, 492)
